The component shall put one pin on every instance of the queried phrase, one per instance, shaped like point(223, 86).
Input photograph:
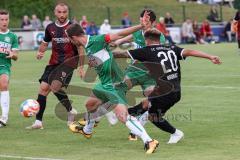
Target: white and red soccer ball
point(29, 108)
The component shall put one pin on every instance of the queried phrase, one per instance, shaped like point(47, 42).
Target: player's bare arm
point(42, 48)
point(125, 32)
point(126, 39)
point(194, 53)
point(81, 61)
point(13, 55)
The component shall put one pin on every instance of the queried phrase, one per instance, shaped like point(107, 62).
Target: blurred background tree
point(19, 8)
point(236, 4)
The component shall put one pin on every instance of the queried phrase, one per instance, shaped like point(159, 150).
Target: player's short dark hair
point(74, 30)
point(3, 12)
point(151, 14)
point(152, 34)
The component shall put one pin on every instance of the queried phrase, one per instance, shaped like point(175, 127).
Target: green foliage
point(19, 8)
point(237, 4)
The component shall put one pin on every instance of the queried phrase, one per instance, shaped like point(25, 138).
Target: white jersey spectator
point(187, 32)
point(105, 28)
point(36, 23)
point(46, 22)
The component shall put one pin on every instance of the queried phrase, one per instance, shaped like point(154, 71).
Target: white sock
point(89, 124)
point(136, 128)
point(112, 118)
point(5, 101)
point(143, 118)
point(38, 122)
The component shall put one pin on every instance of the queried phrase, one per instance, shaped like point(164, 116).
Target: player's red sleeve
point(107, 38)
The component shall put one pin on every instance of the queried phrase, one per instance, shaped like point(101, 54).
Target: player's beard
point(62, 20)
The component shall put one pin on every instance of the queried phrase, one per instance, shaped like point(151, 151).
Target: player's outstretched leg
point(136, 128)
point(163, 124)
point(139, 111)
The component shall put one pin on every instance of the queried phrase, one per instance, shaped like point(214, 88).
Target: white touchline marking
point(29, 158)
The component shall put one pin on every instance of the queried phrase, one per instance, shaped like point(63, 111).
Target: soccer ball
point(29, 108)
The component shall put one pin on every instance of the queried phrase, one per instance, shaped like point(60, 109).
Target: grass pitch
point(208, 113)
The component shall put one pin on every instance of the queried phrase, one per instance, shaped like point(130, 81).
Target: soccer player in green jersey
point(8, 51)
point(109, 73)
point(134, 76)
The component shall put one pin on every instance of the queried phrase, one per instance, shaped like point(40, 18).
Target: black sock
point(164, 125)
point(238, 44)
point(136, 110)
point(42, 102)
point(63, 98)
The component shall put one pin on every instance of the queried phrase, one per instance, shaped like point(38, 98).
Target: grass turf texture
point(208, 113)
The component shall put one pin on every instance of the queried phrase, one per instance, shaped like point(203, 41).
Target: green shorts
point(5, 70)
point(115, 96)
point(139, 77)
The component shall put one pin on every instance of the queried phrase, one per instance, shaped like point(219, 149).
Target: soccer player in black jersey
point(64, 59)
point(163, 64)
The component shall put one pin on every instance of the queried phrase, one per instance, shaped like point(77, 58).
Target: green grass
point(117, 8)
point(208, 113)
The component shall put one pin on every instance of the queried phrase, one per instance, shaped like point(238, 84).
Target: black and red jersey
point(63, 51)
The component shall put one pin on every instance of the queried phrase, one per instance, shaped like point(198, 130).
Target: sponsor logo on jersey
point(7, 39)
point(61, 40)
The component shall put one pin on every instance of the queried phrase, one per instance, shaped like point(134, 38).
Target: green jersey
point(8, 42)
point(138, 38)
point(101, 58)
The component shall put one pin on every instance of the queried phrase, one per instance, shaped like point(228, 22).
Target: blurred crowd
point(192, 31)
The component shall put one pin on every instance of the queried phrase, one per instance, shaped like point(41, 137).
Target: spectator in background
point(126, 22)
point(168, 20)
point(26, 23)
point(206, 31)
point(196, 31)
point(187, 32)
point(105, 28)
point(84, 23)
point(74, 20)
point(236, 27)
point(162, 28)
point(228, 32)
point(213, 15)
point(36, 23)
point(46, 22)
point(92, 29)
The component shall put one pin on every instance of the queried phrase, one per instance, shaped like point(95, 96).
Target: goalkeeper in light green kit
point(8, 51)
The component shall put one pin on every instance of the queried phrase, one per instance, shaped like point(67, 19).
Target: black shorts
point(61, 73)
point(161, 105)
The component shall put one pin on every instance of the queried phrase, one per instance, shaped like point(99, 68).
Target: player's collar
point(62, 24)
point(4, 32)
point(87, 41)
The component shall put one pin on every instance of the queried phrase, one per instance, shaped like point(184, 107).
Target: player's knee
point(4, 86)
point(44, 90)
point(145, 104)
point(121, 113)
point(55, 86)
point(4, 82)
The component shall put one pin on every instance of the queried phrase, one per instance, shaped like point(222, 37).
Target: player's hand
point(12, 55)
point(40, 55)
point(145, 20)
point(215, 60)
point(81, 73)
point(113, 44)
